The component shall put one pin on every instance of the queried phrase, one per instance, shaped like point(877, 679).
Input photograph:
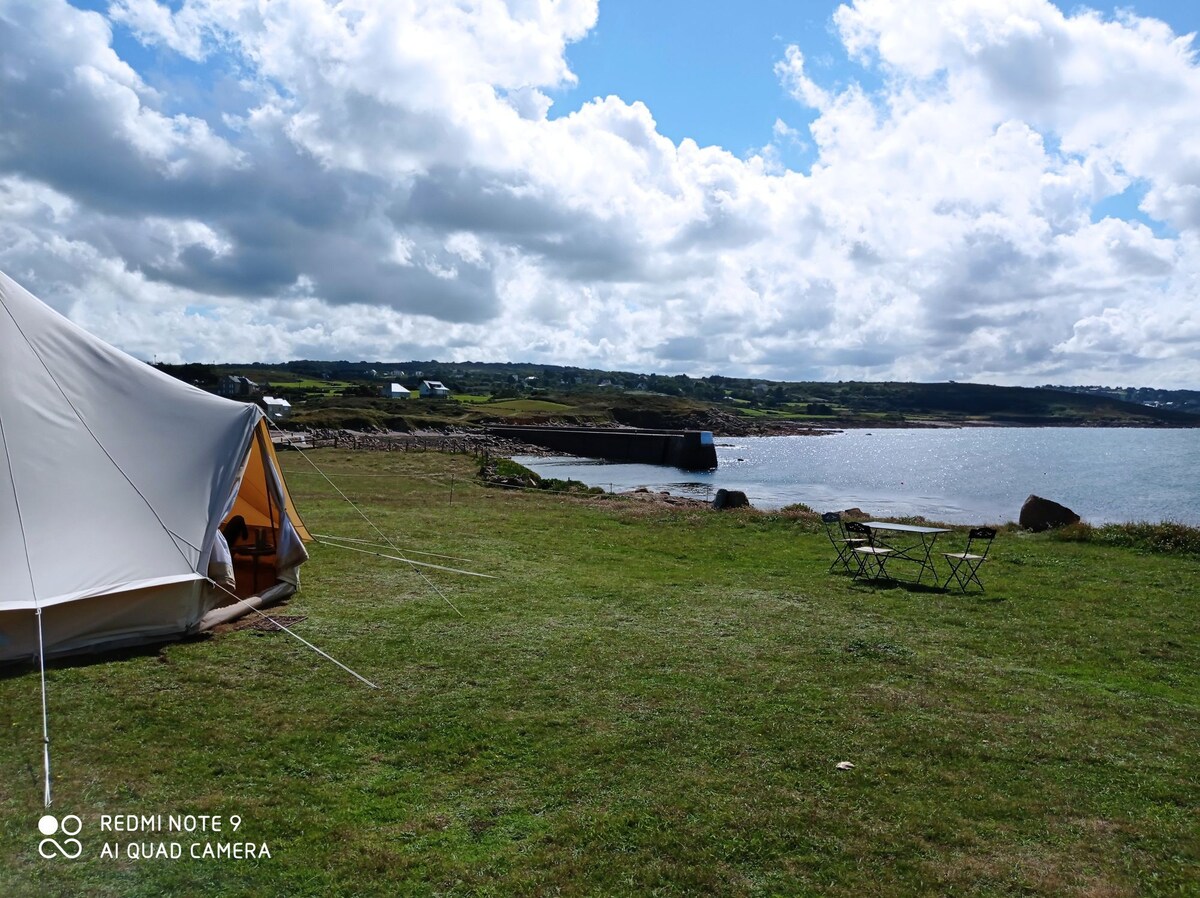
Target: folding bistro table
point(917, 546)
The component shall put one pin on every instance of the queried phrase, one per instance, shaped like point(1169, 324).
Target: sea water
point(957, 475)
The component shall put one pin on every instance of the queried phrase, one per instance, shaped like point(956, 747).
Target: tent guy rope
point(367, 542)
point(436, 567)
point(261, 614)
point(371, 523)
point(293, 634)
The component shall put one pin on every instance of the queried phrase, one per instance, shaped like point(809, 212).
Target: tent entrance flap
point(267, 539)
point(263, 491)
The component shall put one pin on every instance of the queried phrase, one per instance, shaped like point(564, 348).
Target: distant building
point(434, 389)
point(277, 409)
point(395, 391)
point(236, 386)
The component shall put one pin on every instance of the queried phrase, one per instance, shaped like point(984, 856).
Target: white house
point(395, 391)
point(434, 389)
point(277, 409)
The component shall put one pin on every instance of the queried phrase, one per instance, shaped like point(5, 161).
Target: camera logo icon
point(69, 847)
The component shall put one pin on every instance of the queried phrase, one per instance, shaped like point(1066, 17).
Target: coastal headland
point(399, 398)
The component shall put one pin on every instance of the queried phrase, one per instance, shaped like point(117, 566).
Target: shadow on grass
point(86, 658)
point(905, 585)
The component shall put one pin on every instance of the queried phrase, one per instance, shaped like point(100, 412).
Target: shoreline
point(478, 435)
point(652, 490)
point(898, 474)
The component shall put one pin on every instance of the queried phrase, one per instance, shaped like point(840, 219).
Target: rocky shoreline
point(478, 439)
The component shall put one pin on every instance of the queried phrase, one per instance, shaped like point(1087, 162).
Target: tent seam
point(17, 504)
point(92, 434)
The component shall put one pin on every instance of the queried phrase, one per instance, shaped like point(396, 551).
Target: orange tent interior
point(254, 552)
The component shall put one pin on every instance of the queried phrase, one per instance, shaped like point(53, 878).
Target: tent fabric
point(114, 477)
point(107, 621)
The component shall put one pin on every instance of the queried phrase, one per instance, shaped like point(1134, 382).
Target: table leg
point(927, 561)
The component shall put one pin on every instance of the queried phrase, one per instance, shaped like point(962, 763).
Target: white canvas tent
point(114, 479)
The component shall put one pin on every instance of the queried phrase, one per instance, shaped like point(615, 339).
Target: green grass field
point(646, 702)
point(517, 406)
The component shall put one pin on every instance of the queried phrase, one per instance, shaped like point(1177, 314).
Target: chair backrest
point(981, 535)
point(833, 528)
point(858, 529)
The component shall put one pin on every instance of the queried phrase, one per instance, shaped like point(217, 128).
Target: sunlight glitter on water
point(962, 476)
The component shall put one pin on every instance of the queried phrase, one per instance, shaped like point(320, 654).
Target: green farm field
point(647, 700)
point(510, 406)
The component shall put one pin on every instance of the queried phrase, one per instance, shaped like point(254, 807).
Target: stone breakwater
point(481, 442)
point(467, 442)
point(691, 450)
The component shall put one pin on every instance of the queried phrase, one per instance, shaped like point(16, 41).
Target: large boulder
point(1038, 514)
point(730, 499)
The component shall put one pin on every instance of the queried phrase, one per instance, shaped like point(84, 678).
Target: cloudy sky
point(1002, 191)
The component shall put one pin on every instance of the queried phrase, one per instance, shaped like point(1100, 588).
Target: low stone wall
point(472, 443)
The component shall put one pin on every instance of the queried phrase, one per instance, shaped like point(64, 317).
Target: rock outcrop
point(1038, 514)
point(725, 499)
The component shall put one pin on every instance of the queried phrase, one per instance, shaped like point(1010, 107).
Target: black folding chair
point(842, 542)
point(964, 565)
point(872, 554)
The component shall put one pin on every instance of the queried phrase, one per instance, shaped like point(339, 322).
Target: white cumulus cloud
point(390, 180)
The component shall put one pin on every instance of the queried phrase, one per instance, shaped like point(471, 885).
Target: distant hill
point(1177, 400)
point(346, 394)
point(984, 403)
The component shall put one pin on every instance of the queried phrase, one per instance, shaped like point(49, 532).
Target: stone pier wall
point(692, 450)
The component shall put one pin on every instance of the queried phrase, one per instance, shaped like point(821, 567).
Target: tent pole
point(270, 507)
point(45, 713)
